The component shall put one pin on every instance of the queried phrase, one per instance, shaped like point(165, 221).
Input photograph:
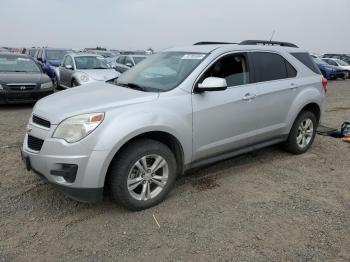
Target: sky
point(318, 26)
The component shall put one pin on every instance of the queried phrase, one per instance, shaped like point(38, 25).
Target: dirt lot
point(263, 206)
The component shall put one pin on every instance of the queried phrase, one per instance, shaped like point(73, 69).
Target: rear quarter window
point(306, 59)
point(271, 66)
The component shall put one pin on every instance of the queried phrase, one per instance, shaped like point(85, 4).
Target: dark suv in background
point(50, 58)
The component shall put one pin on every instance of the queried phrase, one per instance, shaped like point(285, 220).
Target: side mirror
point(69, 67)
point(212, 84)
point(129, 64)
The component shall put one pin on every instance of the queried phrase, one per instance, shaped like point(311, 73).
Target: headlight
point(84, 78)
point(76, 128)
point(1, 88)
point(46, 85)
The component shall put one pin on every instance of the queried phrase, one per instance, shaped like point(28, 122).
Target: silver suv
point(179, 109)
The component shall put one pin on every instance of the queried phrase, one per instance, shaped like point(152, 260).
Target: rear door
point(276, 86)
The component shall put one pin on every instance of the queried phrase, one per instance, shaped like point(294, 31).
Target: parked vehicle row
point(179, 109)
point(125, 62)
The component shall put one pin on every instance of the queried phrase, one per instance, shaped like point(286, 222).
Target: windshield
point(138, 59)
point(162, 72)
point(18, 64)
point(91, 62)
point(320, 61)
point(55, 54)
point(342, 63)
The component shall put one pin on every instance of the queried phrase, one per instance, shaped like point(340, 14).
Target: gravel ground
point(263, 206)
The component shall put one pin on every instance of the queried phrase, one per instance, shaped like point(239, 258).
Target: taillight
point(324, 84)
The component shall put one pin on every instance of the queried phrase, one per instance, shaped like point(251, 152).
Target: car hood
point(54, 62)
point(88, 98)
point(21, 78)
point(101, 74)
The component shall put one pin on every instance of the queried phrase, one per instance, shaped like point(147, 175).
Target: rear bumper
point(16, 97)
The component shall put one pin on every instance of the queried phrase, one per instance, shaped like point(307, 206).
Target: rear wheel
point(142, 174)
point(302, 134)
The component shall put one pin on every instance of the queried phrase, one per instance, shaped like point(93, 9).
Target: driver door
point(224, 121)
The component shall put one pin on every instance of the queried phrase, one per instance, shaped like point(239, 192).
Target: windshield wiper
point(133, 86)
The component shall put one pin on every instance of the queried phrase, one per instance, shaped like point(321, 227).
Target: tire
point(293, 144)
point(125, 169)
point(55, 82)
point(74, 83)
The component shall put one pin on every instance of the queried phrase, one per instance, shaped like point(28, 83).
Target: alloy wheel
point(147, 177)
point(305, 133)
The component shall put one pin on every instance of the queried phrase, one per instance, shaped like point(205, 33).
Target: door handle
point(248, 97)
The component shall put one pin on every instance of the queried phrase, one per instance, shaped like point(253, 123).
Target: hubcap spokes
point(305, 133)
point(147, 177)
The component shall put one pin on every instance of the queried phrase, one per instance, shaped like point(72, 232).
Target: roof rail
point(213, 43)
point(265, 42)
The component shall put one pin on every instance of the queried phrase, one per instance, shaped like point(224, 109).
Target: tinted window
point(234, 68)
point(270, 66)
point(291, 71)
point(305, 58)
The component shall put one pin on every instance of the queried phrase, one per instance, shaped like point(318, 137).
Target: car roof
point(232, 47)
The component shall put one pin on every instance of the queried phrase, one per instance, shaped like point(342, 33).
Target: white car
point(339, 63)
point(82, 68)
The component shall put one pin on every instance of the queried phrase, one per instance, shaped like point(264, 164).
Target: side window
point(234, 68)
point(306, 59)
point(271, 66)
point(128, 61)
point(68, 61)
point(121, 59)
point(291, 71)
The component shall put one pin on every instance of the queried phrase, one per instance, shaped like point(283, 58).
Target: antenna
point(273, 33)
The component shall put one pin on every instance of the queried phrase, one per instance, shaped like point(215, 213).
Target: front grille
point(21, 87)
point(35, 143)
point(41, 122)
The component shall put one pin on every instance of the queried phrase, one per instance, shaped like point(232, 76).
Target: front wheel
point(75, 83)
point(142, 174)
point(302, 134)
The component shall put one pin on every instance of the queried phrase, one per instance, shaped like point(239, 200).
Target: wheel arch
point(162, 136)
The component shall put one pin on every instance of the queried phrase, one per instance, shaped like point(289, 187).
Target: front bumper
point(16, 97)
point(73, 168)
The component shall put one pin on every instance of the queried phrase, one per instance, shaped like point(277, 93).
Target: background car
point(125, 62)
point(330, 71)
point(50, 58)
point(81, 68)
point(343, 57)
point(22, 80)
point(338, 62)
